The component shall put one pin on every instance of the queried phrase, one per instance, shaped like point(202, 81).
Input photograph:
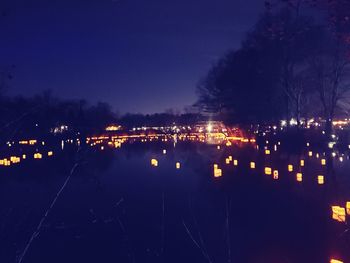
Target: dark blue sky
point(138, 55)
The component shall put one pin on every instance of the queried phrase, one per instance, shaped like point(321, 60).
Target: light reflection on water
point(117, 207)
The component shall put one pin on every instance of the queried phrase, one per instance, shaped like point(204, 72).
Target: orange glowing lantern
point(267, 152)
point(338, 214)
point(323, 161)
point(38, 156)
point(227, 161)
point(348, 208)
point(310, 153)
point(275, 174)
point(154, 162)
point(320, 179)
point(290, 168)
point(50, 153)
point(252, 165)
point(268, 170)
point(336, 261)
point(235, 162)
point(299, 177)
point(217, 172)
point(302, 163)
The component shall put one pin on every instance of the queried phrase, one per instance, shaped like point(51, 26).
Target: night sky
point(138, 55)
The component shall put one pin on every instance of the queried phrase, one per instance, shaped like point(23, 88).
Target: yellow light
point(336, 261)
point(267, 152)
point(290, 168)
point(228, 143)
point(235, 162)
point(50, 153)
point(275, 174)
point(164, 151)
point(252, 165)
point(154, 162)
point(230, 158)
point(348, 208)
point(218, 147)
point(31, 142)
point(323, 161)
point(310, 153)
point(268, 170)
point(38, 156)
point(216, 166)
point(338, 213)
point(320, 179)
point(178, 165)
point(24, 156)
point(302, 163)
point(227, 160)
point(217, 172)
point(299, 177)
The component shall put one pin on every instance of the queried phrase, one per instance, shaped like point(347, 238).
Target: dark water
point(116, 207)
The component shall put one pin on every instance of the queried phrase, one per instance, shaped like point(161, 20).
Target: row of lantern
point(17, 159)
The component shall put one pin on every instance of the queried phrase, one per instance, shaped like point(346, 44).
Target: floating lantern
point(338, 213)
point(275, 174)
point(230, 158)
point(302, 163)
point(299, 177)
point(24, 156)
point(275, 147)
point(290, 168)
point(50, 153)
point(336, 261)
point(38, 156)
point(164, 151)
point(252, 165)
point(307, 144)
point(268, 170)
point(228, 143)
point(320, 179)
point(102, 148)
point(218, 147)
point(267, 151)
point(323, 161)
point(32, 142)
point(178, 165)
point(310, 153)
point(217, 172)
point(227, 161)
point(348, 208)
point(235, 162)
point(216, 166)
point(154, 162)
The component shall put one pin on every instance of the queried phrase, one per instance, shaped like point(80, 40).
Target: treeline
point(22, 117)
point(294, 63)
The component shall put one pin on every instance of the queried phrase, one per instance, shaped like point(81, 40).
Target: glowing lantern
point(228, 143)
point(336, 261)
point(230, 158)
point(50, 153)
point(275, 174)
point(164, 151)
point(338, 213)
point(268, 170)
point(235, 162)
point(217, 172)
point(32, 142)
point(38, 156)
point(154, 162)
point(320, 179)
point(24, 156)
point(178, 165)
point(290, 168)
point(218, 147)
point(102, 148)
point(252, 165)
point(267, 152)
point(299, 177)
point(215, 166)
point(302, 163)
point(227, 160)
point(310, 153)
point(323, 161)
point(348, 208)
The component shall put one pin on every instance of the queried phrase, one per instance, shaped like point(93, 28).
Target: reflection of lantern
point(338, 213)
point(323, 161)
point(320, 179)
point(290, 168)
point(299, 177)
point(275, 174)
point(268, 170)
point(178, 165)
point(302, 163)
point(154, 162)
point(235, 162)
point(252, 165)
